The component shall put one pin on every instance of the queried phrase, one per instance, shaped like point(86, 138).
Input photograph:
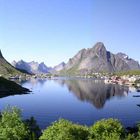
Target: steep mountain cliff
point(98, 59)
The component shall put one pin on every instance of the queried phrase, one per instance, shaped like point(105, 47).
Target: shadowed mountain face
point(94, 92)
point(8, 88)
point(32, 67)
point(6, 68)
point(98, 59)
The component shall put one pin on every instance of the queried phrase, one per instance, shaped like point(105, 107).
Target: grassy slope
point(130, 72)
point(7, 69)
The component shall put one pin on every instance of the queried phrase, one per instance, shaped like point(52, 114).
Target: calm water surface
point(79, 100)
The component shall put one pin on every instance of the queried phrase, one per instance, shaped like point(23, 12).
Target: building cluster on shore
point(124, 80)
point(127, 80)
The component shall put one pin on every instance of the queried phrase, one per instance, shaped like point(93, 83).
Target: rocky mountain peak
point(1, 56)
point(21, 61)
point(14, 63)
point(122, 55)
point(42, 63)
point(98, 59)
point(34, 63)
point(99, 48)
point(63, 63)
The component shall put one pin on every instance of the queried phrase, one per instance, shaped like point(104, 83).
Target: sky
point(55, 30)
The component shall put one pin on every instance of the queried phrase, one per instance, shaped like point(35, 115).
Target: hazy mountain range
point(95, 59)
point(32, 67)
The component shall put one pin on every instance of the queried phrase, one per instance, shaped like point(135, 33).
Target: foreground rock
point(11, 88)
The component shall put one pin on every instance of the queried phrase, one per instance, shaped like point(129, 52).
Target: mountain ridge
point(98, 59)
point(91, 60)
point(32, 67)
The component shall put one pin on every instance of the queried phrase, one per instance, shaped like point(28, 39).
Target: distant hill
point(98, 59)
point(6, 68)
point(32, 67)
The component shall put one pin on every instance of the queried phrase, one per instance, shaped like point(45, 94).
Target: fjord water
point(83, 101)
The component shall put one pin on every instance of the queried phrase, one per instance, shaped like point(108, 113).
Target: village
point(127, 80)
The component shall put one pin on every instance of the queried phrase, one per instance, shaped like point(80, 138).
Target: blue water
point(78, 100)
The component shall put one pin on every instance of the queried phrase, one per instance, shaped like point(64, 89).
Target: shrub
point(138, 132)
point(110, 129)
point(11, 125)
point(65, 130)
point(130, 137)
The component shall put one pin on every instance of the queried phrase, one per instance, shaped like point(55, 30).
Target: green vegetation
point(136, 84)
point(70, 72)
point(12, 127)
point(107, 130)
point(65, 130)
point(137, 81)
point(130, 72)
point(110, 129)
point(73, 71)
point(7, 69)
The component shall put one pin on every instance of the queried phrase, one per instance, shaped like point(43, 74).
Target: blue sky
point(55, 30)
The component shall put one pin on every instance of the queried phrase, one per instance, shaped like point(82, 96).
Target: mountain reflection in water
point(82, 101)
point(95, 92)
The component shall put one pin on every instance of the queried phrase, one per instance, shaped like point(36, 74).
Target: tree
point(65, 130)
point(110, 129)
point(12, 126)
point(35, 131)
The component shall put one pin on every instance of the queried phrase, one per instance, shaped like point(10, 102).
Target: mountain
point(59, 67)
point(6, 68)
point(21, 64)
point(32, 67)
point(98, 59)
point(134, 65)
